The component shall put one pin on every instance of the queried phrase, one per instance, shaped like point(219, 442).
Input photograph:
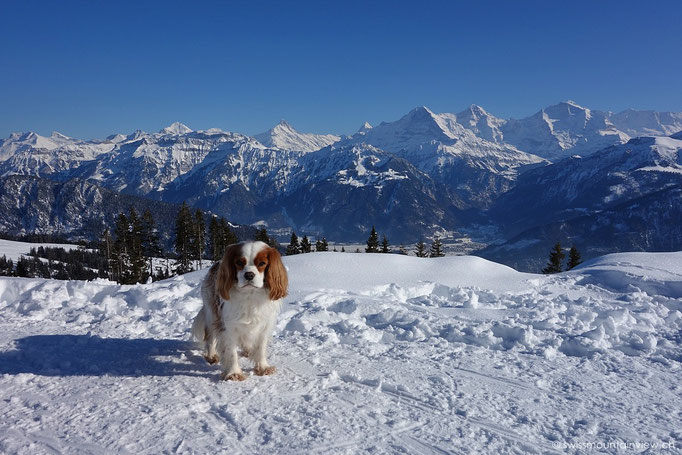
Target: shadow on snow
point(85, 355)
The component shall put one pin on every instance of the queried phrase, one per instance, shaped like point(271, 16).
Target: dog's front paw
point(264, 371)
point(232, 376)
point(212, 359)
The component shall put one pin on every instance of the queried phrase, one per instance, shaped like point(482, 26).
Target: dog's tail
point(199, 326)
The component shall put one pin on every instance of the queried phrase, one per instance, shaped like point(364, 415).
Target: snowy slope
point(14, 250)
point(379, 353)
point(284, 136)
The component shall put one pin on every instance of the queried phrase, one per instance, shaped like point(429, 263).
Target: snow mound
point(375, 352)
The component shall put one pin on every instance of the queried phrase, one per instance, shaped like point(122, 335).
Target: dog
point(241, 298)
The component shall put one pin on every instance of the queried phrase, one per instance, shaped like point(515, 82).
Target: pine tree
point(6, 266)
point(420, 249)
point(227, 237)
point(343, 249)
point(436, 249)
point(120, 256)
point(384, 245)
point(25, 267)
point(198, 236)
point(372, 242)
point(294, 247)
point(306, 247)
point(183, 239)
point(262, 235)
point(105, 248)
point(574, 258)
point(322, 245)
point(214, 239)
point(138, 263)
point(151, 243)
point(556, 257)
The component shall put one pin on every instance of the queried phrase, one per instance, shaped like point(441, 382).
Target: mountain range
point(421, 175)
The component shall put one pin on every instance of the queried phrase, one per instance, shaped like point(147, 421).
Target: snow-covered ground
point(14, 250)
point(375, 353)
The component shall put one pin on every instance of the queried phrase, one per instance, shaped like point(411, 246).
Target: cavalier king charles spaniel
point(242, 294)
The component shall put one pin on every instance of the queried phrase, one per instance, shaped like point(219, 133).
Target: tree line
point(304, 245)
point(135, 245)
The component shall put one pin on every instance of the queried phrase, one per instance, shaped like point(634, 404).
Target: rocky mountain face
point(647, 223)
point(622, 198)
point(577, 186)
point(421, 174)
point(75, 208)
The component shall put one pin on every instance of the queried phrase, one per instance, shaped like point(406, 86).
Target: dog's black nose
point(249, 276)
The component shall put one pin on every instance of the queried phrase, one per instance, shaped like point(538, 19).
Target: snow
point(380, 353)
point(176, 129)
point(285, 137)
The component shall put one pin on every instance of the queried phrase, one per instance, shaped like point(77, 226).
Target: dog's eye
point(261, 264)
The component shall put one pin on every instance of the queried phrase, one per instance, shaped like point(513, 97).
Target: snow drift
point(375, 352)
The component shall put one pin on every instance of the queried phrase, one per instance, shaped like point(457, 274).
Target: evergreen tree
point(436, 249)
point(556, 257)
point(224, 236)
point(322, 245)
point(262, 235)
point(138, 269)
point(574, 258)
point(229, 235)
point(24, 267)
point(151, 243)
point(6, 266)
point(183, 239)
point(343, 249)
point(420, 249)
point(306, 247)
point(198, 236)
point(214, 239)
point(372, 242)
point(120, 257)
point(294, 247)
point(384, 245)
point(138, 263)
point(105, 249)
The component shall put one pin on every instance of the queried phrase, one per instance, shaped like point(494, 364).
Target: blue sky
point(90, 68)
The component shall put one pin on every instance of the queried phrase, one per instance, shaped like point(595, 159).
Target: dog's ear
point(227, 272)
point(276, 275)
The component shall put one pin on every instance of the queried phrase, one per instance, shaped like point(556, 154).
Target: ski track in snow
point(456, 355)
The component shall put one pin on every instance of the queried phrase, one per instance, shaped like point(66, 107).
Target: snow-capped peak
point(481, 122)
point(365, 127)
point(59, 136)
point(284, 136)
point(176, 129)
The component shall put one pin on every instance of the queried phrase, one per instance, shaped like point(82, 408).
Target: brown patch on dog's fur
point(276, 276)
point(227, 270)
point(212, 359)
point(265, 371)
point(233, 377)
